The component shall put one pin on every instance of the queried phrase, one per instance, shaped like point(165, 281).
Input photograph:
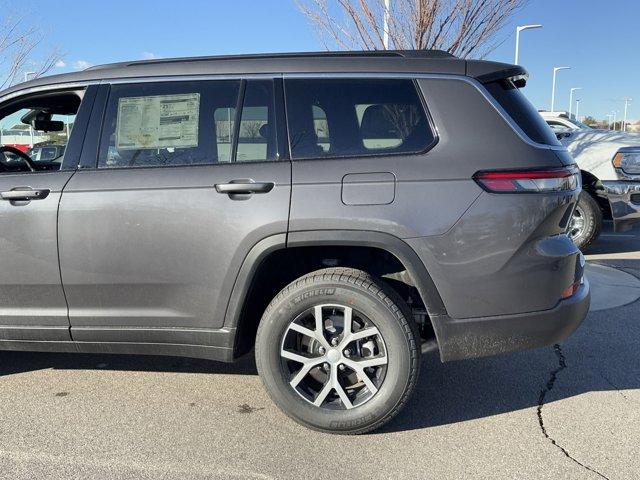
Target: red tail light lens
point(529, 181)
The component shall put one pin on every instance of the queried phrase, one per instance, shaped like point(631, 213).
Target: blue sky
point(597, 39)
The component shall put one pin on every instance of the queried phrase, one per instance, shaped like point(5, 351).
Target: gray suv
point(337, 213)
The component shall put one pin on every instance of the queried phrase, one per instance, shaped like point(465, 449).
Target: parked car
point(395, 202)
point(609, 162)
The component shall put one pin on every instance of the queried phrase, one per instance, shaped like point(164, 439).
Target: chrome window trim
point(405, 75)
point(46, 88)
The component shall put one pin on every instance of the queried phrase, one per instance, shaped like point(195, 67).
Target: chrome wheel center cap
point(334, 355)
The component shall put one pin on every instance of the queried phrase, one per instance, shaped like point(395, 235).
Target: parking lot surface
point(567, 412)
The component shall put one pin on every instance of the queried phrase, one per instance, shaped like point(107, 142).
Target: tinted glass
point(353, 117)
point(256, 138)
point(522, 112)
point(168, 124)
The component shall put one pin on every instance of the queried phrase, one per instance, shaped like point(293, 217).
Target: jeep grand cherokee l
point(336, 212)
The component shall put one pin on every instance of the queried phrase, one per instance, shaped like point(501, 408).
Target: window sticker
point(158, 121)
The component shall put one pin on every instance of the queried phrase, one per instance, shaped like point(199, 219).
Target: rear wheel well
point(592, 185)
point(281, 267)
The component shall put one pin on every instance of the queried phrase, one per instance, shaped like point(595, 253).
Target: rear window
point(355, 117)
point(522, 112)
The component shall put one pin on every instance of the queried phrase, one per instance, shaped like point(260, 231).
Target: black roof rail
point(425, 54)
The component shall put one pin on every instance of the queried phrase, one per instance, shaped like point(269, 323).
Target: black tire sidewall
point(593, 221)
point(273, 327)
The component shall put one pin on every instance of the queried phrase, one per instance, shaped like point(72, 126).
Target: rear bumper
point(481, 337)
point(624, 210)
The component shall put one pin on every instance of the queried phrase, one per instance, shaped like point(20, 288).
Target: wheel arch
point(593, 186)
point(243, 310)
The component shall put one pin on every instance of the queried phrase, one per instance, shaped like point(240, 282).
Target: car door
point(175, 190)
point(32, 301)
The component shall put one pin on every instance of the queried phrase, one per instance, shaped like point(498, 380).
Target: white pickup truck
point(610, 165)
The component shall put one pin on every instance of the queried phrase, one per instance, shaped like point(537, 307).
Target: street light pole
point(571, 99)
point(577, 108)
point(626, 106)
point(553, 86)
point(615, 113)
point(385, 39)
point(609, 116)
point(518, 30)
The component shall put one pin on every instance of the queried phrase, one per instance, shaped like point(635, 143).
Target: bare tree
point(18, 42)
point(465, 28)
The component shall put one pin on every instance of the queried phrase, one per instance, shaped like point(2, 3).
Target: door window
point(187, 123)
point(35, 132)
point(353, 117)
point(256, 137)
point(166, 124)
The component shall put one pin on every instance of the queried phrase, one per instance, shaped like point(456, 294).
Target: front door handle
point(244, 186)
point(25, 194)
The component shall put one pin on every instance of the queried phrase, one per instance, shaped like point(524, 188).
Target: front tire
point(586, 222)
point(337, 351)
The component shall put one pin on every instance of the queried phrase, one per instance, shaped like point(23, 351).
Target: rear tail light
point(529, 181)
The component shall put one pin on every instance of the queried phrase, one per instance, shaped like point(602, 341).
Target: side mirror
point(47, 125)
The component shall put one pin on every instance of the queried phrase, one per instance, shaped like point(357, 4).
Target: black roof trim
point(426, 54)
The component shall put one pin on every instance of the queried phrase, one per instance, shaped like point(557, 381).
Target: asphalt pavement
point(567, 412)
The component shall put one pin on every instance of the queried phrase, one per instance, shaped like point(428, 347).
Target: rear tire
point(316, 378)
point(586, 222)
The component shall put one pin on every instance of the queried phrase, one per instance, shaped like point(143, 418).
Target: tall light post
point(609, 117)
point(518, 30)
point(385, 39)
point(577, 108)
point(553, 86)
point(615, 113)
point(626, 106)
point(571, 100)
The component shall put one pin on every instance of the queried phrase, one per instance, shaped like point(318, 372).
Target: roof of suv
point(389, 61)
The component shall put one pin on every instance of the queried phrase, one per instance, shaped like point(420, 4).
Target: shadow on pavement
point(615, 243)
point(18, 362)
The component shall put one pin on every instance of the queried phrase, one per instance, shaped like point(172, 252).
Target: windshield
point(578, 123)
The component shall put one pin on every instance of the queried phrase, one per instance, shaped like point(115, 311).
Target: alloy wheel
point(334, 357)
point(577, 223)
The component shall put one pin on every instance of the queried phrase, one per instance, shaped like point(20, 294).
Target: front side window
point(557, 126)
point(353, 117)
point(34, 131)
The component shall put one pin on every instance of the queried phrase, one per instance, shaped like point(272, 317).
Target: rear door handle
point(24, 194)
point(244, 186)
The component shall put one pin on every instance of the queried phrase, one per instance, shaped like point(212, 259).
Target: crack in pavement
point(562, 364)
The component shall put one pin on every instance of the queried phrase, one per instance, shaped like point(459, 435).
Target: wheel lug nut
point(341, 367)
point(334, 341)
point(321, 350)
point(326, 366)
point(347, 353)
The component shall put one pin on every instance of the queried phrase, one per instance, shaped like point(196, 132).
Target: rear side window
point(522, 112)
point(354, 117)
point(188, 123)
